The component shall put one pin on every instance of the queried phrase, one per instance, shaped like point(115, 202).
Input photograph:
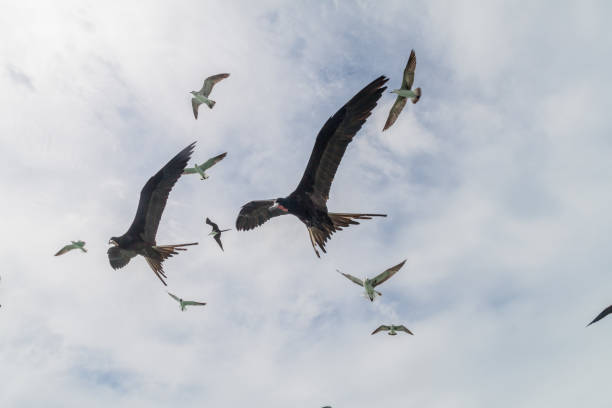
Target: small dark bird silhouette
point(308, 201)
point(140, 237)
point(216, 232)
point(603, 314)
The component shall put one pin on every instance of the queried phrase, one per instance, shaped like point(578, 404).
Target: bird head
point(113, 241)
point(395, 91)
point(192, 92)
point(281, 204)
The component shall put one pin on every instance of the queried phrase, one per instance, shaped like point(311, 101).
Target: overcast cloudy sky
point(497, 186)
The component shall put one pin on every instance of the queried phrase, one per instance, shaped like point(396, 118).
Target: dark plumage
point(140, 237)
point(600, 316)
point(309, 200)
point(216, 232)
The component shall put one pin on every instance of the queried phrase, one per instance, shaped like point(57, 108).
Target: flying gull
point(185, 303)
point(201, 169)
point(404, 92)
point(370, 284)
point(75, 245)
point(201, 96)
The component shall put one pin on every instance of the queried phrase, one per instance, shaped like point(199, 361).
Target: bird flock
point(308, 202)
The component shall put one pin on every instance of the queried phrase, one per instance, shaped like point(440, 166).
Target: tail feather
point(418, 95)
point(318, 236)
point(165, 252)
point(343, 220)
point(210, 103)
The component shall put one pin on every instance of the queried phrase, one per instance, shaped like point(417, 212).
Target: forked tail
point(165, 252)
point(418, 95)
point(318, 237)
point(343, 220)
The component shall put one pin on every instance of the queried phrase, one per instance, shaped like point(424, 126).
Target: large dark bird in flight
point(603, 314)
point(140, 237)
point(308, 201)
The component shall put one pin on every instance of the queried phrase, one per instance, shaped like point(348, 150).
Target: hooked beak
point(279, 206)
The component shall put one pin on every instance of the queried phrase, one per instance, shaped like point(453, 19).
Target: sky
point(496, 185)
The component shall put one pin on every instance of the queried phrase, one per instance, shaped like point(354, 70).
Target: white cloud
point(496, 185)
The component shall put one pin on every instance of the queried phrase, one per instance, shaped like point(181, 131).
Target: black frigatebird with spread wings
point(309, 200)
point(216, 232)
point(140, 237)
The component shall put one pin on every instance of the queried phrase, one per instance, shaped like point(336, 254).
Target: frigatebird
point(75, 245)
point(140, 237)
point(308, 201)
point(184, 303)
point(216, 232)
point(370, 284)
point(603, 314)
point(201, 96)
point(392, 329)
point(201, 169)
point(404, 92)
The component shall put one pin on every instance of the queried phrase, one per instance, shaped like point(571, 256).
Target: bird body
point(404, 92)
point(140, 237)
point(201, 169)
point(201, 96)
point(75, 245)
point(370, 284)
point(392, 330)
point(184, 303)
point(308, 202)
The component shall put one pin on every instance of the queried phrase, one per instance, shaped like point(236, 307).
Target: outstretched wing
point(351, 277)
point(603, 314)
point(381, 328)
point(154, 195)
point(190, 170)
point(218, 239)
point(334, 137)
point(192, 303)
point(214, 226)
point(409, 71)
point(387, 274)
point(195, 104)
point(65, 249)
point(117, 257)
point(255, 213)
point(211, 162)
point(210, 82)
point(174, 297)
point(396, 109)
point(403, 328)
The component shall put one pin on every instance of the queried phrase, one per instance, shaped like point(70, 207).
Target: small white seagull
point(370, 284)
point(75, 245)
point(392, 329)
point(201, 96)
point(404, 92)
point(185, 303)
